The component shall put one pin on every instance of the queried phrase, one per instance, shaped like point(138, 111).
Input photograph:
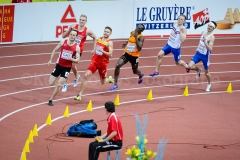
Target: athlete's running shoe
point(75, 81)
point(198, 73)
point(140, 79)
point(187, 69)
point(154, 74)
point(64, 88)
point(78, 98)
point(111, 80)
point(208, 88)
point(115, 86)
point(50, 103)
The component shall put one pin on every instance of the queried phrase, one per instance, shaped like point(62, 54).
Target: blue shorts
point(176, 52)
point(201, 57)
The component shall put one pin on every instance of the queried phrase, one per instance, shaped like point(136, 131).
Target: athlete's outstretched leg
point(83, 84)
point(103, 75)
point(208, 76)
point(61, 81)
point(107, 80)
point(182, 63)
point(192, 66)
point(159, 60)
point(77, 76)
point(119, 64)
point(158, 63)
point(138, 72)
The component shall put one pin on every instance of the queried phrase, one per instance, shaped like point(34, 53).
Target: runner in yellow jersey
point(131, 54)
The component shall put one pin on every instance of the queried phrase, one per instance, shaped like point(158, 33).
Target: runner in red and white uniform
point(83, 32)
point(100, 61)
point(69, 50)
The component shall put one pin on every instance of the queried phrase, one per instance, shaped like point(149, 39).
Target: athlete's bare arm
point(124, 44)
point(110, 48)
point(77, 55)
point(59, 45)
point(93, 36)
point(139, 41)
point(65, 34)
point(209, 43)
point(183, 34)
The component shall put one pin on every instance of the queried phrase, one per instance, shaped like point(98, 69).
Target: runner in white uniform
point(177, 36)
point(204, 50)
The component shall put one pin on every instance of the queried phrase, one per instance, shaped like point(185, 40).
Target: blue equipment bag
point(85, 128)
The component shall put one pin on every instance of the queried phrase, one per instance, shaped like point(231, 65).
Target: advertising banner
point(118, 15)
point(1, 20)
point(158, 17)
point(7, 19)
point(37, 22)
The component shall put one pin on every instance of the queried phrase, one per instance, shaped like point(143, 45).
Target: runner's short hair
point(75, 31)
point(182, 16)
point(143, 27)
point(83, 15)
point(107, 27)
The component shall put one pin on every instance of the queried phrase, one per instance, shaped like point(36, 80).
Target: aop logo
point(68, 17)
point(201, 18)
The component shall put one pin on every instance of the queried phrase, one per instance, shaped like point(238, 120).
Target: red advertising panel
point(1, 20)
point(7, 23)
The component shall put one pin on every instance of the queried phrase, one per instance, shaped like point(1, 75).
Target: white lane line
point(114, 40)
point(40, 54)
point(27, 65)
point(143, 57)
point(171, 65)
point(96, 93)
point(25, 55)
point(134, 101)
point(97, 81)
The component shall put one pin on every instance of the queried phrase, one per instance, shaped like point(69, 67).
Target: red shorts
point(102, 69)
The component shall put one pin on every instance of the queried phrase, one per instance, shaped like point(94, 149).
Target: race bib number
point(66, 54)
point(201, 48)
point(131, 47)
point(172, 37)
point(98, 52)
point(78, 40)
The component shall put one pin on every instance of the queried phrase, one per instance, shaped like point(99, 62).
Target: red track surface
point(189, 122)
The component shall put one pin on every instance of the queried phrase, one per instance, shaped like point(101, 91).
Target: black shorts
point(60, 70)
point(128, 58)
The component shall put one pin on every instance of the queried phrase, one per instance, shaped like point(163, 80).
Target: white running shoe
point(64, 88)
point(198, 73)
point(208, 88)
point(75, 82)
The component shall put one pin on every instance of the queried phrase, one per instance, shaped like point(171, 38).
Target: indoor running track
point(202, 118)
